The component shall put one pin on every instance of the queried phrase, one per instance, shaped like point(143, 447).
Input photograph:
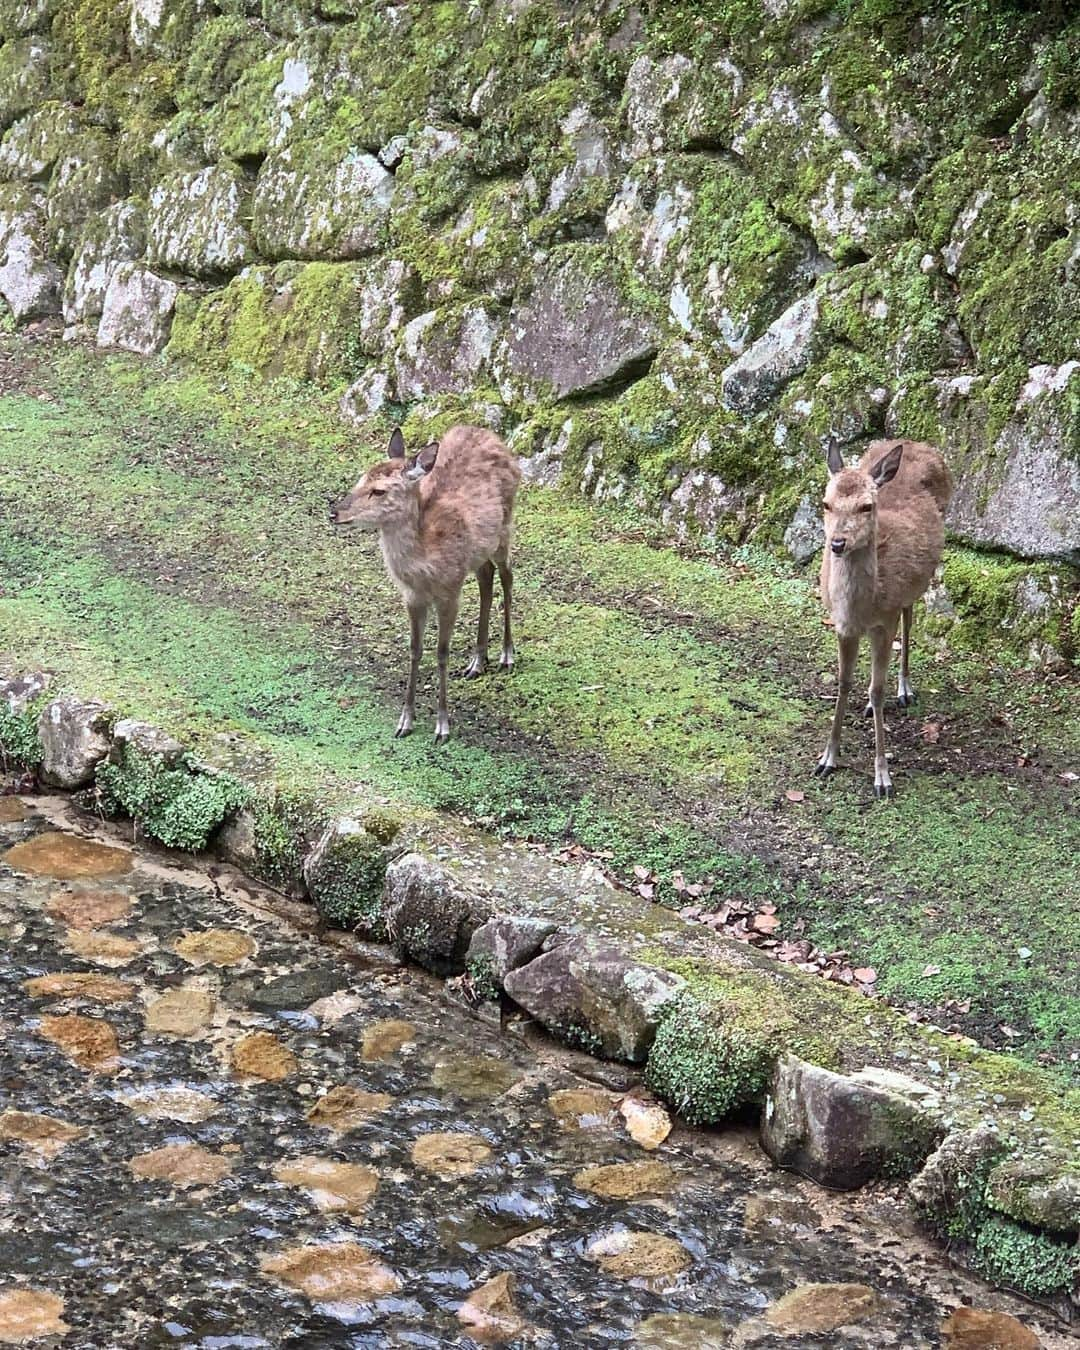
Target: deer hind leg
point(881, 640)
point(506, 580)
point(847, 653)
point(417, 622)
point(905, 693)
point(485, 576)
point(447, 615)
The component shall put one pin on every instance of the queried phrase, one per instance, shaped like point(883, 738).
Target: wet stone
point(974, 1329)
point(87, 1041)
point(582, 1108)
point(78, 984)
point(815, 1308)
point(384, 1039)
point(296, 990)
point(334, 1272)
point(682, 1331)
point(11, 810)
point(215, 947)
point(184, 1013)
point(346, 1108)
point(476, 1078)
point(44, 1135)
point(181, 1165)
point(334, 1187)
point(262, 1055)
point(773, 1214)
point(184, 1104)
point(67, 857)
point(625, 1181)
point(647, 1123)
point(656, 1260)
point(29, 1314)
point(104, 949)
point(88, 909)
point(490, 1313)
point(450, 1154)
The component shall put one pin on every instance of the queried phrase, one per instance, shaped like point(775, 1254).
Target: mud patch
point(11, 810)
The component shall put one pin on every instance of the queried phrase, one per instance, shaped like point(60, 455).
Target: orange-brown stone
point(333, 1272)
point(974, 1329)
point(383, 1039)
point(181, 1165)
point(490, 1312)
point(335, 1187)
point(184, 1013)
point(345, 1108)
point(450, 1154)
point(812, 1309)
point(81, 984)
point(88, 909)
point(623, 1181)
point(262, 1055)
point(215, 947)
point(45, 1135)
point(87, 1041)
point(651, 1257)
point(29, 1314)
point(11, 810)
point(104, 949)
point(68, 857)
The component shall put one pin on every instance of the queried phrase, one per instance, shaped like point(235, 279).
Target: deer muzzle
point(838, 546)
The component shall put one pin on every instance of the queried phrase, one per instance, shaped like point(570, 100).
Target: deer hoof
point(442, 729)
point(404, 726)
point(476, 667)
point(822, 769)
point(908, 699)
point(884, 790)
point(868, 711)
point(506, 660)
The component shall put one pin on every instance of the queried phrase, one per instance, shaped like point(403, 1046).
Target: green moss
point(704, 1065)
point(988, 593)
point(224, 49)
point(383, 826)
point(1038, 1266)
point(178, 805)
point(348, 886)
point(94, 32)
point(238, 126)
point(283, 828)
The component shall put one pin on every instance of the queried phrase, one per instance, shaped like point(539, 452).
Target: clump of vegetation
point(704, 1065)
point(19, 744)
point(177, 804)
point(1008, 1254)
point(347, 884)
point(482, 983)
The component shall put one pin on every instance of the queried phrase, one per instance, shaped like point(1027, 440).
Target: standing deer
point(884, 532)
point(441, 513)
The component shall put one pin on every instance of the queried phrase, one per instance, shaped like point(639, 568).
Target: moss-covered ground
point(166, 546)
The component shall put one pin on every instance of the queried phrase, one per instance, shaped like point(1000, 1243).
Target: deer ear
point(833, 458)
point(396, 448)
point(423, 461)
point(887, 467)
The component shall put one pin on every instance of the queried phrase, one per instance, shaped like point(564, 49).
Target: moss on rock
point(175, 803)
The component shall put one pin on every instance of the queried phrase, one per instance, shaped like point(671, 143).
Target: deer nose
point(838, 546)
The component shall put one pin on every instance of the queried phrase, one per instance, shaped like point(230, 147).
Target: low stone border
point(848, 1091)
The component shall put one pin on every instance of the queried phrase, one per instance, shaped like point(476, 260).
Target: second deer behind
point(441, 514)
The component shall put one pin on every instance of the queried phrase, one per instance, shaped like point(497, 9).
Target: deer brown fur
point(441, 513)
point(884, 533)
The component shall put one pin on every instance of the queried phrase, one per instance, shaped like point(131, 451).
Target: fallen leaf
point(865, 974)
point(795, 795)
point(931, 732)
point(930, 970)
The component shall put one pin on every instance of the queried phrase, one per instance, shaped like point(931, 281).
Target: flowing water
point(220, 1128)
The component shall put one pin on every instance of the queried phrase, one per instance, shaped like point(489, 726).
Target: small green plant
point(705, 1067)
point(348, 884)
point(1035, 1264)
point(178, 805)
point(19, 745)
point(482, 983)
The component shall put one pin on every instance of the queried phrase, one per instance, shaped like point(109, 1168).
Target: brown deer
point(884, 532)
point(441, 513)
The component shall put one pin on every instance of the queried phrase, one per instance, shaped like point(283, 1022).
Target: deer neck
point(402, 548)
point(853, 588)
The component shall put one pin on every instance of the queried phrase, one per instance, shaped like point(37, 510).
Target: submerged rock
point(978, 1329)
point(813, 1309)
point(333, 1272)
point(490, 1313)
point(593, 996)
point(28, 1314)
point(68, 857)
point(844, 1131)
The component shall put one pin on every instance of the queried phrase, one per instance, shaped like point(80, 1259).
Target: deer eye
point(378, 492)
point(866, 507)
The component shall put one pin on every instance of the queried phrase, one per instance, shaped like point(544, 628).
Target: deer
point(441, 514)
point(884, 535)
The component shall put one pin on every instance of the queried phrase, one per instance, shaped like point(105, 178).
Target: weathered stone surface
point(74, 737)
point(33, 144)
point(806, 534)
point(505, 942)
point(306, 208)
point(576, 333)
point(366, 396)
point(110, 237)
point(592, 995)
point(813, 1309)
point(195, 223)
point(444, 352)
point(137, 310)
point(147, 740)
point(21, 17)
point(428, 916)
point(30, 280)
point(940, 1188)
point(978, 1329)
point(783, 351)
point(21, 690)
point(1043, 1191)
point(844, 1131)
point(85, 180)
point(344, 875)
point(164, 27)
point(24, 77)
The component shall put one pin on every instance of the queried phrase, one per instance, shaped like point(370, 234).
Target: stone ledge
point(718, 1024)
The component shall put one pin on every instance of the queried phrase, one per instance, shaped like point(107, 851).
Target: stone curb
point(716, 1025)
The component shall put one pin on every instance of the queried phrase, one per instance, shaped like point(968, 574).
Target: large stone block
point(137, 310)
point(30, 280)
point(24, 77)
point(109, 238)
point(577, 333)
point(35, 142)
point(445, 352)
point(308, 207)
point(783, 351)
point(594, 996)
point(429, 916)
point(84, 180)
point(843, 1131)
point(196, 223)
point(75, 737)
point(506, 942)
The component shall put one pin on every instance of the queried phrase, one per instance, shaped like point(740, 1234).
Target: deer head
point(851, 500)
point(389, 490)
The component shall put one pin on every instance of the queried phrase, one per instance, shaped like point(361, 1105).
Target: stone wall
point(667, 248)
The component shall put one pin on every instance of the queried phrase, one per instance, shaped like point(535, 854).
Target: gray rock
point(165, 27)
point(1042, 1191)
point(305, 207)
point(33, 144)
point(844, 1131)
point(84, 180)
point(145, 739)
point(955, 1173)
point(298, 989)
point(673, 102)
point(1019, 490)
point(506, 942)
point(24, 77)
point(236, 841)
point(593, 996)
point(74, 737)
point(366, 396)
point(429, 917)
point(30, 281)
point(806, 534)
point(783, 351)
point(576, 333)
point(109, 238)
point(389, 293)
point(586, 156)
point(137, 311)
point(21, 17)
point(21, 690)
point(195, 223)
point(702, 499)
point(444, 352)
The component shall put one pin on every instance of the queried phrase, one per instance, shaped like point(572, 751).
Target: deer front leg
point(847, 651)
point(905, 694)
point(417, 622)
point(485, 576)
point(447, 615)
point(506, 579)
point(881, 640)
